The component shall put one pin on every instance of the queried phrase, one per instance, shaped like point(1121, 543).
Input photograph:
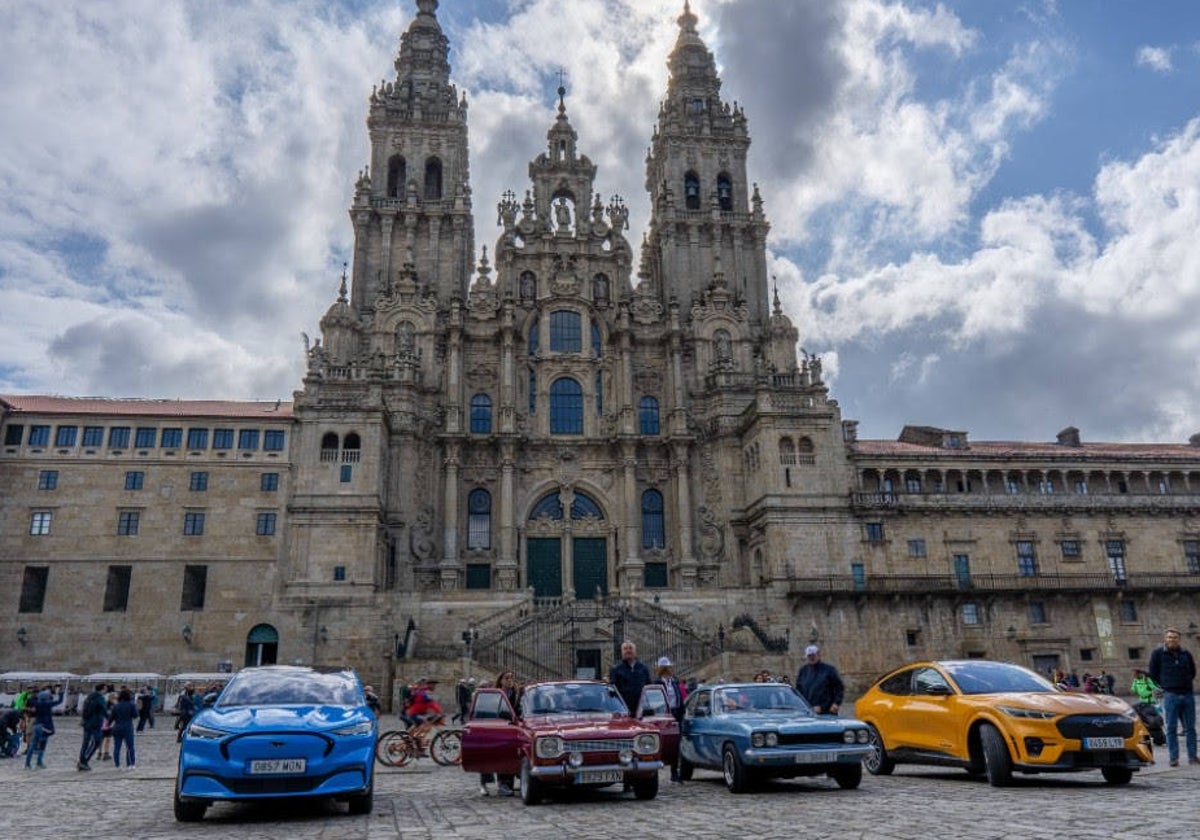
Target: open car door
point(491, 738)
point(653, 709)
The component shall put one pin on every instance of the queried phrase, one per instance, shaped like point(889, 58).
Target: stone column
point(506, 567)
point(687, 561)
point(629, 577)
point(450, 565)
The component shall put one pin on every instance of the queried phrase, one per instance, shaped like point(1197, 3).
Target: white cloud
point(1157, 59)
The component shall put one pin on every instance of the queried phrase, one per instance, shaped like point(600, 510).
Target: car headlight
point(849, 737)
point(575, 759)
point(646, 743)
point(550, 746)
point(764, 739)
point(862, 736)
point(206, 733)
point(363, 728)
point(1027, 714)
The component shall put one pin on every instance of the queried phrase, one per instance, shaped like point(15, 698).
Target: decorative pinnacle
point(342, 291)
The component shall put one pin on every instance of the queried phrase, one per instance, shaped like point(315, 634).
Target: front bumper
point(563, 773)
point(780, 757)
point(205, 784)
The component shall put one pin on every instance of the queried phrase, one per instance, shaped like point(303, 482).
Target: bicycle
point(397, 747)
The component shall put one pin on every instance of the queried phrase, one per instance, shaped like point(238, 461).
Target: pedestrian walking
point(1174, 670)
point(123, 714)
point(91, 718)
point(43, 726)
point(145, 707)
point(819, 683)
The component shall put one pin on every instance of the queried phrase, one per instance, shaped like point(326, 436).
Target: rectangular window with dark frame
point(346, 474)
point(48, 479)
point(1191, 556)
point(198, 482)
point(13, 433)
point(970, 613)
point(134, 479)
point(93, 436)
point(195, 580)
point(116, 588)
point(269, 482)
point(172, 438)
point(127, 523)
point(1026, 559)
point(66, 435)
point(193, 524)
point(273, 440)
point(248, 439)
point(265, 527)
point(1037, 612)
point(39, 435)
point(222, 439)
point(197, 439)
point(874, 532)
point(339, 573)
point(479, 576)
point(33, 589)
point(145, 438)
point(118, 437)
point(1070, 549)
point(1129, 611)
point(916, 548)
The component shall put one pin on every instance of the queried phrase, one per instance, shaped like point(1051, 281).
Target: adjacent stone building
point(518, 461)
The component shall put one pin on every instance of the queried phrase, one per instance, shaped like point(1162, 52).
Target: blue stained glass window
point(584, 506)
point(533, 339)
point(566, 332)
point(549, 506)
point(654, 531)
point(40, 435)
point(223, 439)
point(248, 439)
point(648, 416)
point(566, 407)
point(481, 414)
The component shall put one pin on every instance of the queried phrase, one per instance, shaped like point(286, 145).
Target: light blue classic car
point(753, 731)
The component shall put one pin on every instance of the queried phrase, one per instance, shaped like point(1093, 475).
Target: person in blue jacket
point(819, 683)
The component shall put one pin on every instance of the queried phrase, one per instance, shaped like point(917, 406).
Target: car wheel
point(446, 747)
point(1117, 775)
point(646, 788)
point(737, 779)
point(531, 788)
point(189, 810)
point(848, 778)
point(362, 803)
point(686, 769)
point(877, 761)
point(996, 759)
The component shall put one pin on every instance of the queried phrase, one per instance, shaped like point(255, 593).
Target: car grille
point(274, 785)
point(792, 739)
point(1095, 726)
point(600, 745)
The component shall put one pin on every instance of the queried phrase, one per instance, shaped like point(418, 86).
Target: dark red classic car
point(567, 735)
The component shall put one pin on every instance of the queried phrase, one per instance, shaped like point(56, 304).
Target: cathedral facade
point(518, 460)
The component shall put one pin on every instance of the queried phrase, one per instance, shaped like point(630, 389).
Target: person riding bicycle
point(423, 709)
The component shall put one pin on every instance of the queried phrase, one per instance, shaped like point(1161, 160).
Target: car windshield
point(763, 697)
point(994, 678)
point(573, 698)
point(290, 688)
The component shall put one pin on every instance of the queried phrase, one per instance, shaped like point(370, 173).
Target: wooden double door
point(586, 567)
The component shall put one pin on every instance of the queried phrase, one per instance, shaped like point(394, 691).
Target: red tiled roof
point(39, 404)
point(1000, 449)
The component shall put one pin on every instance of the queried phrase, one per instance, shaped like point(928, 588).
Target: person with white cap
point(819, 683)
point(676, 695)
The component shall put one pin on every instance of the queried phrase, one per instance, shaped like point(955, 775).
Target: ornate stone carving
point(712, 536)
point(421, 541)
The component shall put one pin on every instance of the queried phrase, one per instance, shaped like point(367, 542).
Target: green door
point(591, 567)
point(543, 564)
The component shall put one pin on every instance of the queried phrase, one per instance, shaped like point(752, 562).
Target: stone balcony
point(985, 584)
point(1025, 503)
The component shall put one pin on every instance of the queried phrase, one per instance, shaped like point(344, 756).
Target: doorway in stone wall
point(262, 645)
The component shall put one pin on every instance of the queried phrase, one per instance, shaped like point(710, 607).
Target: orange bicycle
point(397, 747)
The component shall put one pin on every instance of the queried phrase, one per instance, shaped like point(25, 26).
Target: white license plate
point(597, 777)
point(1103, 743)
point(816, 757)
point(276, 766)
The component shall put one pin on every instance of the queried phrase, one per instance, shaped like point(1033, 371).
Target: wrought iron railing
point(983, 583)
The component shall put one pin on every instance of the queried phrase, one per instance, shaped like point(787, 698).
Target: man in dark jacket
point(1174, 670)
point(629, 676)
point(91, 718)
point(819, 683)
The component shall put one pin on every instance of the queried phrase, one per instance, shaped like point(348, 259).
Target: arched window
point(654, 532)
point(262, 645)
point(787, 452)
point(584, 506)
point(397, 176)
point(433, 179)
point(566, 407)
point(597, 347)
point(479, 519)
point(481, 414)
point(724, 192)
point(648, 416)
point(566, 332)
point(691, 191)
point(329, 446)
point(351, 446)
point(804, 451)
point(724, 345)
point(550, 506)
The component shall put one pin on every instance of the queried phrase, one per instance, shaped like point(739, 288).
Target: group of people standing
point(107, 715)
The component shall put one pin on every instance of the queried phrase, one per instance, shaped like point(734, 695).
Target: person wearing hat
point(819, 683)
point(676, 695)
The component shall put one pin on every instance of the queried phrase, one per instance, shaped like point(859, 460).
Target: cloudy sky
point(984, 214)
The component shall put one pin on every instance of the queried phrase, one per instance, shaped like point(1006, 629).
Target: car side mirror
point(939, 690)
